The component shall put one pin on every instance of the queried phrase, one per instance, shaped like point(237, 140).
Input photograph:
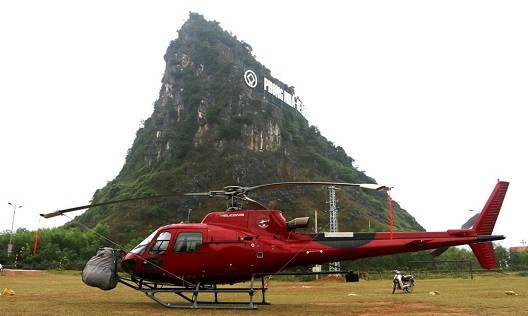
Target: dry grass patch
point(53, 293)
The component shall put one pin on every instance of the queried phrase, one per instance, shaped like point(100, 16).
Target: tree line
point(70, 248)
point(52, 248)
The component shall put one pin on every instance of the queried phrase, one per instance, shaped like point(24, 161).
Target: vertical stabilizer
point(484, 225)
point(486, 221)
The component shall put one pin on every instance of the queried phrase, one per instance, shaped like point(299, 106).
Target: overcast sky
point(427, 96)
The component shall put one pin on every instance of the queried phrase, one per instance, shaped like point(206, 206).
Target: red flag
point(36, 242)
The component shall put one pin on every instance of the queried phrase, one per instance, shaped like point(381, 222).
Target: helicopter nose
point(128, 265)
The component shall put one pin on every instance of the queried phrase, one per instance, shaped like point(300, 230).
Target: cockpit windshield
point(139, 249)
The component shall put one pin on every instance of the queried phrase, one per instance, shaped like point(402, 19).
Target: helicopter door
point(230, 259)
point(187, 253)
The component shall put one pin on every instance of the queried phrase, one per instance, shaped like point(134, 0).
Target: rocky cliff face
point(213, 78)
point(222, 119)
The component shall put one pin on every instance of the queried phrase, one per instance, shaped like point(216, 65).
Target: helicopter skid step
point(190, 294)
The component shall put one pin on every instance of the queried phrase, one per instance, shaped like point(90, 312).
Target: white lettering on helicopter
point(339, 234)
point(233, 215)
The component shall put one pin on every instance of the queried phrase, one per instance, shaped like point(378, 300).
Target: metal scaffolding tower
point(334, 266)
point(333, 210)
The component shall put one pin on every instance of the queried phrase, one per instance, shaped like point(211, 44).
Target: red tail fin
point(486, 221)
point(485, 254)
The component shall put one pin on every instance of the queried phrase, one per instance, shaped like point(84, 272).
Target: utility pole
point(315, 228)
point(10, 245)
point(317, 267)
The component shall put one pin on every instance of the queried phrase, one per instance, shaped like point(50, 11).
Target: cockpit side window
point(188, 242)
point(161, 244)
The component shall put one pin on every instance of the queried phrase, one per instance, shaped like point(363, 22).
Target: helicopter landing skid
point(190, 295)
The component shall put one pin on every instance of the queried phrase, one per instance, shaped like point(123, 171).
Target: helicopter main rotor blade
point(233, 191)
point(370, 186)
point(240, 190)
point(60, 212)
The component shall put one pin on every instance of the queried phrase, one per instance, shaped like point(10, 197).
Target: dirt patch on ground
point(416, 309)
point(331, 278)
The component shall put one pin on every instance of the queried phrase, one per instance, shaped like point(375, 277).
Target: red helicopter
point(241, 245)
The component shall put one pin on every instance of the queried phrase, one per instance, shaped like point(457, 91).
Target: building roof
point(519, 248)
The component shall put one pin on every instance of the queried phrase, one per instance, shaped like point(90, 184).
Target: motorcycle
point(402, 282)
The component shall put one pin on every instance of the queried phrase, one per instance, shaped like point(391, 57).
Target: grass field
point(64, 293)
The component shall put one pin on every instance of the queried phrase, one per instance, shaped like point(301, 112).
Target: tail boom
point(363, 245)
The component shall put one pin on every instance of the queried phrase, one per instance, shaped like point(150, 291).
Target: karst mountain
point(222, 119)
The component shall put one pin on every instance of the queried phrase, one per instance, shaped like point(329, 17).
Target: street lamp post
point(10, 245)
